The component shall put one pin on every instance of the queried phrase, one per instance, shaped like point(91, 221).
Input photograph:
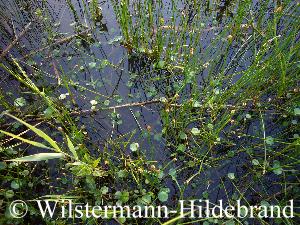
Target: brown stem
point(15, 41)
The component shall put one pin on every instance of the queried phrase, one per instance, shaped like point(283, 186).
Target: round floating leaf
point(122, 196)
point(20, 102)
point(230, 222)
point(231, 176)
point(15, 184)
point(195, 131)
point(196, 104)
point(92, 65)
point(48, 112)
point(104, 190)
point(181, 148)
point(205, 194)
point(269, 140)
point(248, 116)
point(255, 162)
point(265, 203)
point(163, 196)
point(182, 135)
point(297, 111)
point(134, 147)
point(146, 199)
point(122, 173)
point(2, 165)
point(160, 64)
point(277, 169)
point(93, 102)
point(9, 194)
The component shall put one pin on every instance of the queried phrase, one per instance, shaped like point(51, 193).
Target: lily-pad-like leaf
point(20, 102)
point(122, 196)
point(15, 184)
point(163, 196)
point(134, 147)
point(277, 169)
point(196, 104)
point(255, 162)
point(92, 65)
point(231, 176)
point(195, 131)
point(269, 140)
point(48, 112)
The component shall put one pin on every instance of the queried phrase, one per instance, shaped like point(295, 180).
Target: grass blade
point(34, 143)
point(38, 132)
point(38, 157)
point(71, 147)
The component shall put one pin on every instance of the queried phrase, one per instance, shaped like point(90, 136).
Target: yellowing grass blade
point(38, 157)
point(38, 132)
point(34, 143)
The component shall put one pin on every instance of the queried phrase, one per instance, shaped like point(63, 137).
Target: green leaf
point(196, 104)
point(277, 169)
point(181, 148)
point(122, 173)
point(230, 222)
point(210, 126)
point(38, 132)
point(297, 111)
point(48, 112)
point(255, 162)
point(146, 199)
point(71, 147)
point(9, 194)
point(106, 102)
point(231, 176)
point(92, 65)
point(2, 165)
point(38, 157)
point(265, 203)
point(173, 173)
point(195, 131)
point(205, 194)
point(20, 102)
point(163, 196)
point(115, 39)
point(122, 220)
point(182, 135)
point(15, 184)
point(104, 190)
point(160, 64)
point(269, 140)
point(122, 196)
point(134, 147)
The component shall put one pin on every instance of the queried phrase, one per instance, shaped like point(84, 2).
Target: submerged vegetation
point(148, 102)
